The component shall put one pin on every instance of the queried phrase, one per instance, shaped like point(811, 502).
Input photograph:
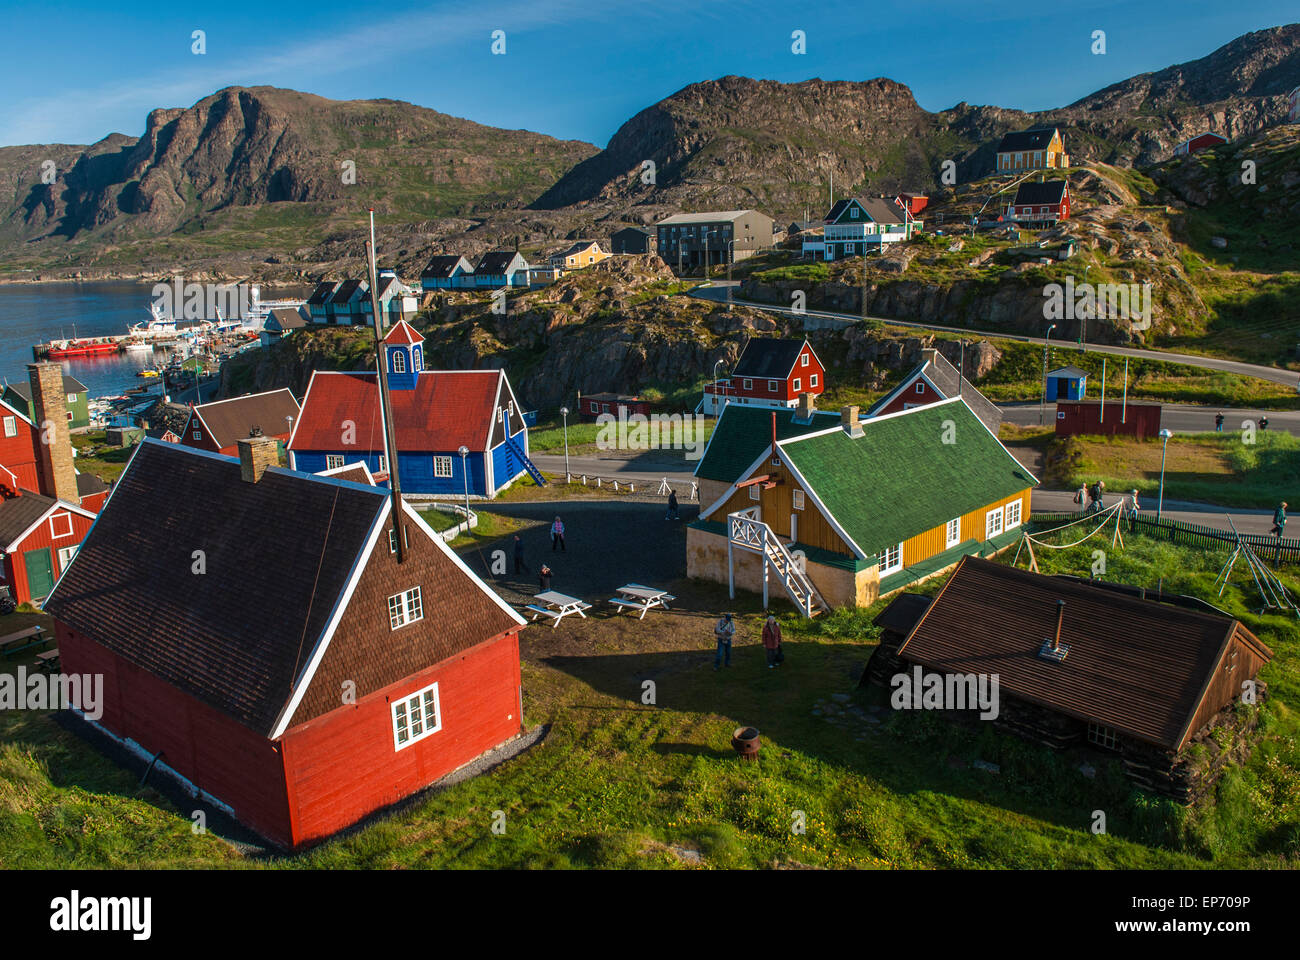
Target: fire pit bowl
point(745, 742)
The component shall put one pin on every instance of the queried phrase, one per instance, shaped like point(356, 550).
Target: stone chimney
point(804, 411)
point(255, 455)
point(58, 477)
point(849, 420)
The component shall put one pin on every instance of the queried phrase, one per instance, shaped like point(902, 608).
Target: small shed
point(1066, 383)
point(1140, 420)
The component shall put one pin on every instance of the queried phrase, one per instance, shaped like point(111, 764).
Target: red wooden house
point(217, 426)
point(46, 506)
point(932, 380)
point(1202, 141)
point(594, 405)
point(1041, 204)
point(263, 641)
point(770, 372)
point(914, 202)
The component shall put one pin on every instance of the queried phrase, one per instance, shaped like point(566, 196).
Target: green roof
point(743, 433)
point(900, 478)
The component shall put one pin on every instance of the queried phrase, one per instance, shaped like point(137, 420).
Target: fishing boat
point(148, 373)
point(78, 347)
point(140, 346)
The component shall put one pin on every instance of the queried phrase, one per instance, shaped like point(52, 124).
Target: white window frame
point(443, 467)
point(952, 533)
point(992, 523)
point(198, 434)
point(812, 380)
point(1007, 523)
point(72, 398)
point(753, 491)
point(771, 386)
point(798, 384)
point(383, 463)
point(11, 426)
point(65, 515)
point(747, 384)
point(417, 705)
point(885, 566)
point(405, 608)
point(399, 361)
point(797, 500)
point(920, 386)
point(333, 461)
point(66, 554)
point(803, 359)
point(1102, 736)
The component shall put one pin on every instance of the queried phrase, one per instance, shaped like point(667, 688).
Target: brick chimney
point(849, 420)
point(255, 455)
point(58, 477)
point(804, 411)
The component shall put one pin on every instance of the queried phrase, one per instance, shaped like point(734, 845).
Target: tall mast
point(385, 408)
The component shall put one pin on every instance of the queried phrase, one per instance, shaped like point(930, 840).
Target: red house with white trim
point(1202, 141)
point(1041, 204)
point(263, 642)
point(771, 372)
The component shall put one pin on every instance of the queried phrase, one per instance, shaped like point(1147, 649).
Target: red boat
point(87, 347)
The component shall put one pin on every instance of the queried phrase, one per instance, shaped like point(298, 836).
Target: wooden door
point(40, 573)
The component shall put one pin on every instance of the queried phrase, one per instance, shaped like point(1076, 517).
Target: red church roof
point(446, 408)
point(403, 332)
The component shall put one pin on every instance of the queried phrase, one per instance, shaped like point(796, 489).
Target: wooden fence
point(1267, 547)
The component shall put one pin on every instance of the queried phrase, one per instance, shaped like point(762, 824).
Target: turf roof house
point(1153, 678)
point(435, 412)
point(771, 372)
point(219, 425)
point(872, 505)
point(46, 506)
point(315, 676)
point(932, 380)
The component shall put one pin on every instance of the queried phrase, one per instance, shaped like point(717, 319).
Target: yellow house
point(843, 515)
point(1039, 148)
point(582, 254)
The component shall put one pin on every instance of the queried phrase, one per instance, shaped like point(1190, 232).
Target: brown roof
point(19, 513)
point(231, 420)
point(279, 555)
point(1139, 666)
point(902, 613)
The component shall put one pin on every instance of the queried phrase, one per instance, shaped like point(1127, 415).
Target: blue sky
point(75, 72)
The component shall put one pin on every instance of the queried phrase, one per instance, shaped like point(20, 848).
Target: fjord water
point(35, 312)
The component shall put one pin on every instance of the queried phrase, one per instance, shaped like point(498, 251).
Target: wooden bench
point(542, 612)
point(627, 604)
point(23, 640)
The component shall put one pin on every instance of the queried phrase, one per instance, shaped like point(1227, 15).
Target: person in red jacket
point(772, 641)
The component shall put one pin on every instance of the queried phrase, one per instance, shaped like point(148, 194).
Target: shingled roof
point(1053, 191)
point(903, 476)
point(230, 420)
point(948, 380)
point(443, 266)
point(279, 557)
point(770, 357)
point(742, 434)
point(1035, 138)
point(70, 385)
point(1138, 666)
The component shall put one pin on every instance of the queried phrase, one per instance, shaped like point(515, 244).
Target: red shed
point(262, 642)
point(1202, 141)
point(594, 405)
point(1139, 420)
point(773, 372)
point(217, 426)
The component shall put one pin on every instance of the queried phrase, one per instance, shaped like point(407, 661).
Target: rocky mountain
point(737, 142)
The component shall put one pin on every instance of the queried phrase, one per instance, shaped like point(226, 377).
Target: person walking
point(1095, 501)
point(1218, 423)
point(520, 566)
point(1081, 497)
point(772, 641)
point(723, 631)
point(1279, 520)
point(557, 536)
point(672, 506)
point(544, 579)
point(1131, 507)
point(1263, 423)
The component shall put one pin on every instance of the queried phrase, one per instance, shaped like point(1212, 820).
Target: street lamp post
point(1164, 435)
point(564, 413)
point(1083, 321)
point(464, 473)
point(731, 256)
point(1042, 411)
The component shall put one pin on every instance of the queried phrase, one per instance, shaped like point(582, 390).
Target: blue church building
point(436, 413)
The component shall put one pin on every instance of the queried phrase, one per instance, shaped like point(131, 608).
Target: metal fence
point(1277, 550)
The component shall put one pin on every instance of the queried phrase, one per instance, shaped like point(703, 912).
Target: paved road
point(1180, 418)
point(717, 291)
point(1247, 521)
point(641, 469)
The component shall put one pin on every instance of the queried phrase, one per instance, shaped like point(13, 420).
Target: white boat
point(133, 346)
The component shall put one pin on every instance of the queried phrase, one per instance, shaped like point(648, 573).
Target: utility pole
point(1047, 340)
point(385, 408)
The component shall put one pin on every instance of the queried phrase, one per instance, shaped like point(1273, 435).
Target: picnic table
point(557, 606)
point(23, 640)
point(48, 660)
point(637, 596)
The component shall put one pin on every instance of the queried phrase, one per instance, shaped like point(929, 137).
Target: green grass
point(97, 459)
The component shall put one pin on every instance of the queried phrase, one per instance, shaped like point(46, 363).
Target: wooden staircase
point(746, 532)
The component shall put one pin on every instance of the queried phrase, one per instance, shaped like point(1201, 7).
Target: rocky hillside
point(737, 142)
point(263, 169)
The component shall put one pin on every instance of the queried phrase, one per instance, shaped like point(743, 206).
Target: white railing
point(465, 526)
point(746, 531)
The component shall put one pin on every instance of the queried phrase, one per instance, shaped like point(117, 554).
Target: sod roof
point(900, 478)
point(743, 433)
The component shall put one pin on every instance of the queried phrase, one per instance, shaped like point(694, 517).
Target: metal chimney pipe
point(1060, 617)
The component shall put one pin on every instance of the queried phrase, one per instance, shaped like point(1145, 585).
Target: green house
point(19, 396)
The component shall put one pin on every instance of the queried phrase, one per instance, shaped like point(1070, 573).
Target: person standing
point(672, 506)
point(772, 641)
point(1263, 423)
point(1131, 507)
point(723, 632)
point(1279, 520)
point(1218, 423)
point(1095, 501)
point(1081, 497)
point(544, 579)
point(557, 536)
point(520, 566)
